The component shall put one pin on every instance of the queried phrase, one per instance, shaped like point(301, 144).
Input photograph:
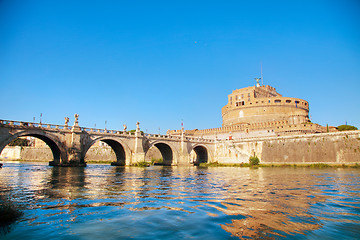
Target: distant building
point(260, 111)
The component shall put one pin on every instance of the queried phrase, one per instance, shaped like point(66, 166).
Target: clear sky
point(161, 62)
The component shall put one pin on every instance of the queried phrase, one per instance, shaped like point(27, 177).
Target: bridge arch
point(122, 151)
point(167, 151)
point(59, 154)
point(200, 154)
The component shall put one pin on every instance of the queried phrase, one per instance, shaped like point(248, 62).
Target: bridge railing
point(150, 135)
point(97, 130)
point(197, 139)
point(117, 132)
point(33, 124)
point(62, 127)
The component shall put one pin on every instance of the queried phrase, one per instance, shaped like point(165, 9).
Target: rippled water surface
point(105, 202)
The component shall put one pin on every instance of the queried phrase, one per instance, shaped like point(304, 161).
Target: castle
point(260, 111)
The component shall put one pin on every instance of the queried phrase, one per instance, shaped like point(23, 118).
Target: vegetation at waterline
point(216, 164)
point(346, 128)
point(154, 161)
point(313, 165)
point(9, 213)
point(157, 161)
point(141, 164)
point(254, 161)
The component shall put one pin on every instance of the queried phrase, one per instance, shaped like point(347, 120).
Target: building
point(260, 111)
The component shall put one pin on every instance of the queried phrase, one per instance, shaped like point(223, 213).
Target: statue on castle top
point(137, 126)
point(258, 82)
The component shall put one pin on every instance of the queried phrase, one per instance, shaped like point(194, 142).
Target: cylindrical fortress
point(263, 104)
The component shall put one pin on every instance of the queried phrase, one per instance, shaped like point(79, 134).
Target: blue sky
point(161, 62)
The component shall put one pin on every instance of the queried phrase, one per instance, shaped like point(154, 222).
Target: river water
point(105, 202)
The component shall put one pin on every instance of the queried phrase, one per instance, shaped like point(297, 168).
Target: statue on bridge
point(76, 122)
point(125, 127)
point(66, 121)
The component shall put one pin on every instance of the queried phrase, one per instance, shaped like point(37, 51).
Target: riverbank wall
point(95, 154)
point(330, 148)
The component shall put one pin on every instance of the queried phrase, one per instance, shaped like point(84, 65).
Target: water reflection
point(181, 202)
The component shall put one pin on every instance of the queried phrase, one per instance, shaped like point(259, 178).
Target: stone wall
point(11, 153)
point(36, 154)
point(337, 148)
point(343, 148)
point(100, 154)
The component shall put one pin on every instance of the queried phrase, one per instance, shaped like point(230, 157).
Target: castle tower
point(262, 104)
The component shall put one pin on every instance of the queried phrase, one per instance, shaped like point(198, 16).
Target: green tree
point(346, 128)
point(254, 161)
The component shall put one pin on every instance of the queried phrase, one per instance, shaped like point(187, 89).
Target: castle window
point(277, 101)
point(236, 97)
point(269, 101)
point(305, 104)
point(240, 103)
point(248, 94)
point(297, 102)
point(288, 101)
point(242, 95)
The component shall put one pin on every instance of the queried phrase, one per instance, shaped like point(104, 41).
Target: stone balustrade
point(34, 125)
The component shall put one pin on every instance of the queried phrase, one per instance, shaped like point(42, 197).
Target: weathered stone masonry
point(330, 148)
point(69, 146)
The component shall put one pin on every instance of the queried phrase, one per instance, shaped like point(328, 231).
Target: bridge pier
point(184, 155)
point(138, 154)
point(74, 150)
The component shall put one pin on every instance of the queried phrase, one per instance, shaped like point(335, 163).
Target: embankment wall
point(98, 154)
point(331, 148)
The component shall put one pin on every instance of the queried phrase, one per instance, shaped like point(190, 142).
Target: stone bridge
point(69, 144)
